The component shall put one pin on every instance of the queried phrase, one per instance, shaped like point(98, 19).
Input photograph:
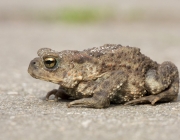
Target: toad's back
point(116, 57)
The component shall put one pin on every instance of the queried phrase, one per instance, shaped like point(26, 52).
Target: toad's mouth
point(31, 72)
point(56, 81)
point(33, 75)
point(45, 79)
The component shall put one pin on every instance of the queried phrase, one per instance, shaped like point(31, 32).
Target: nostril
point(34, 63)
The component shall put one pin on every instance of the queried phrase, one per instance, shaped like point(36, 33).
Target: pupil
point(49, 62)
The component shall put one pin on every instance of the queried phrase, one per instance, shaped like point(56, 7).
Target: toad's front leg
point(58, 93)
point(108, 84)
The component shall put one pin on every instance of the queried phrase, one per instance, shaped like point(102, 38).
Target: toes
point(53, 92)
point(154, 101)
point(88, 102)
point(149, 99)
point(136, 101)
point(71, 104)
point(132, 102)
point(80, 102)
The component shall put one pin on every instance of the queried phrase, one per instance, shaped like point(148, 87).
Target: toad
point(108, 74)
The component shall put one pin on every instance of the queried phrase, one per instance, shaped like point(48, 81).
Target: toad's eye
point(50, 62)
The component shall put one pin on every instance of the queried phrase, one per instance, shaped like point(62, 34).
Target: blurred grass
point(77, 15)
point(88, 15)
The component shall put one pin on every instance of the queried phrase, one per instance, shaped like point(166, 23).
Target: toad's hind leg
point(162, 84)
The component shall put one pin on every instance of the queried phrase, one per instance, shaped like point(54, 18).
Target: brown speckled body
point(110, 73)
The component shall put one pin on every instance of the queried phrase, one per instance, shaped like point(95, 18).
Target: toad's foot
point(58, 93)
point(165, 96)
point(152, 99)
point(99, 100)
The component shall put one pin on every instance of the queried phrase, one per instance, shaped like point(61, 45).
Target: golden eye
point(50, 62)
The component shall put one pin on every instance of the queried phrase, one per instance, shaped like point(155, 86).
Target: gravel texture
point(25, 115)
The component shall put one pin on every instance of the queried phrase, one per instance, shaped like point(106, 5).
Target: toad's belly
point(126, 93)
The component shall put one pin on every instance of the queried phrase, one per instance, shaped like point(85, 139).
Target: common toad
point(108, 74)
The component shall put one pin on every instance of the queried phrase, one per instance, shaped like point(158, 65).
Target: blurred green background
point(90, 11)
